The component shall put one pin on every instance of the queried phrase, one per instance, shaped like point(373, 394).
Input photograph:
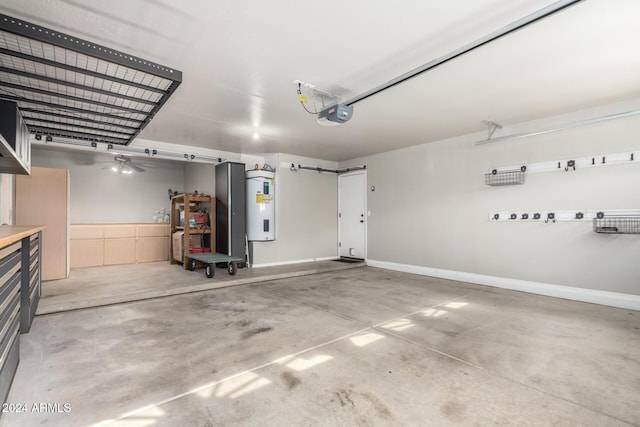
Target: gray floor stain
point(453, 410)
point(344, 397)
point(248, 334)
point(290, 380)
point(381, 409)
point(244, 323)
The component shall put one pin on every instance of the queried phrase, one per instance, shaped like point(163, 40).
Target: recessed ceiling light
point(256, 135)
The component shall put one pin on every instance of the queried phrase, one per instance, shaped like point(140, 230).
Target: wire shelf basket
point(511, 177)
point(617, 224)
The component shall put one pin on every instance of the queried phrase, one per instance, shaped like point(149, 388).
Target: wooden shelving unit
point(192, 205)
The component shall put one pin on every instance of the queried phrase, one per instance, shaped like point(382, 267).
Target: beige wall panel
point(82, 231)
point(150, 249)
point(119, 251)
point(153, 230)
point(87, 253)
point(118, 231)
point(42, 198)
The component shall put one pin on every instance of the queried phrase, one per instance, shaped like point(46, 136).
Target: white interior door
point(352, 214)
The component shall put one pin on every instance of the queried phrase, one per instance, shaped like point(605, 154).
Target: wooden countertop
point(10, 234)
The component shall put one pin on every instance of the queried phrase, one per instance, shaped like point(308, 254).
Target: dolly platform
point(211, 259)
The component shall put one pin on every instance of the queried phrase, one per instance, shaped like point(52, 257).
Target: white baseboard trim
point(613, 299)
point(297, 261)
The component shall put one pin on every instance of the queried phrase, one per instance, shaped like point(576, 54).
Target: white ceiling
point(239, 60)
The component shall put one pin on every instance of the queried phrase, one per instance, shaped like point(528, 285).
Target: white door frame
point(366, 212)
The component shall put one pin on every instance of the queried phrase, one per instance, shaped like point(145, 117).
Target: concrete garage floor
point(356, 347)
point(100, 286)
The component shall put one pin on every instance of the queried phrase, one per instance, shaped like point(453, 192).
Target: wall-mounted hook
point(631, 156)
point(600, 215)
point(593, 160)
point(579, 215)
point(550, 217)
point(496, 217)
point(559, 165)
point(536, 215)
point(525, 216)
point(604, 160)
point(513, 216)
point(523, 168)
point(570, 164)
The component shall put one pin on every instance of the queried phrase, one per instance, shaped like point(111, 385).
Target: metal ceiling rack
point(78, 90)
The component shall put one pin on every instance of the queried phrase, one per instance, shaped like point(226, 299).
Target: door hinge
point(339, 215)
point(339, 244)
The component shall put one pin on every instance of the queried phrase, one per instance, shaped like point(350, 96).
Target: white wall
point(306, 202)
point(101, 196)
point(200, 177)
point(306, 213)
point(430, 207)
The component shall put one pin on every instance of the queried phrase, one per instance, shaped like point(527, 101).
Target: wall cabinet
point(15, 148)
point(43, 198)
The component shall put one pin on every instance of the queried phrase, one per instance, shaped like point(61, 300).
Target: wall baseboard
point(297, 261)
point(612, 299)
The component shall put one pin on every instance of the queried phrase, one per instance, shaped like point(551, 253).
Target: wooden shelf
point(190, 203)
point(192, 199)
point(199, 230)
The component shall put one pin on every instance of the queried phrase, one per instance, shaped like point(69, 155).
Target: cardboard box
point(177, 245)
point(195, 241)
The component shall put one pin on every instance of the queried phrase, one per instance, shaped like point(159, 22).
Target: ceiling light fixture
point(256, 135)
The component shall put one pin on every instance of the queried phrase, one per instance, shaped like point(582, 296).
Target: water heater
point(260, 205)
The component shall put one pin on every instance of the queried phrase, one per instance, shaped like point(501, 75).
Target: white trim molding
point(613, 299)
point(297, 261)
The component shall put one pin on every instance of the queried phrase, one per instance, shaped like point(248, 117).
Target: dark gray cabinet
point(15, 148)
point(10, 280)
point(30, 286)
point(19, 294)
point(230, 209)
